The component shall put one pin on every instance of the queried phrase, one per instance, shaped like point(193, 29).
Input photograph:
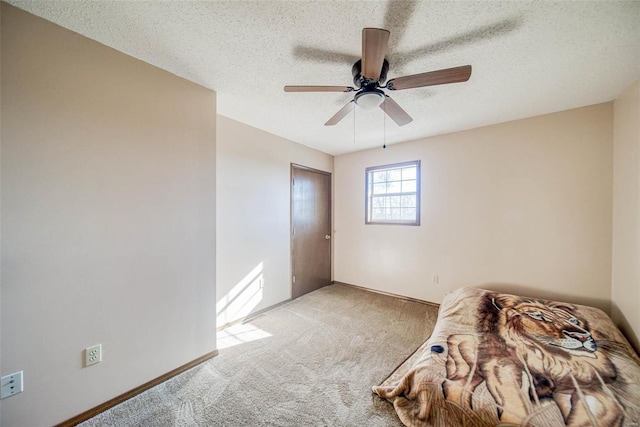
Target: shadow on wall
point(241, 299)
point(625, 327)
point(531, 291)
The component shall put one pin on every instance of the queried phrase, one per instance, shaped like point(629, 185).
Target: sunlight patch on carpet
point(240, 334)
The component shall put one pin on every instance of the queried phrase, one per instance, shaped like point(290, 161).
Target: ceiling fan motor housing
point(359, 81)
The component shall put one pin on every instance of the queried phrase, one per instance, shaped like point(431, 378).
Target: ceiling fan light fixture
point(369, 100)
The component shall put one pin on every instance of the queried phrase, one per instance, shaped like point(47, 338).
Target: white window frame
point(369, 193)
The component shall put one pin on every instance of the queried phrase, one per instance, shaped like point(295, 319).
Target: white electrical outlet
point(93, 355)
point(11, 384)
point(436, 279)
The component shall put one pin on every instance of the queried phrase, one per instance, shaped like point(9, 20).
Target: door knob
point(327, 237)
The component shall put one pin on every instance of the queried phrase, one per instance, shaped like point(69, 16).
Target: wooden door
point(310, 230)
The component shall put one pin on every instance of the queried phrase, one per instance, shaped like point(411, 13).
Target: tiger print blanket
point(503, 359)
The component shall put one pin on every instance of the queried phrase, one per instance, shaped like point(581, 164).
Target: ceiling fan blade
point(344, 111)
point(375, 42)
point(431, 78)
point(395, 111)
point(318, 89)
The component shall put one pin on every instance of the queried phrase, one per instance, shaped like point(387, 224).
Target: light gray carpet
point(315, 365)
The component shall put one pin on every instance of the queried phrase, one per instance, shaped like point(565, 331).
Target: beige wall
point(1, 204)
point(253, 199)
point(523, 206)
point(625, 291)
point(108, 220)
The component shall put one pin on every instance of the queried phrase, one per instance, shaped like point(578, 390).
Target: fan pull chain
point(384, 124)
point(354, 122)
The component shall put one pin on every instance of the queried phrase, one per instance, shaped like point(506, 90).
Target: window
point(393, 194)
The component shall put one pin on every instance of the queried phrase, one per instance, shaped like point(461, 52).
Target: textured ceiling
point(528, 57)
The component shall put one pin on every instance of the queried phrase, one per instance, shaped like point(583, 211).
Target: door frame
point(291, 263)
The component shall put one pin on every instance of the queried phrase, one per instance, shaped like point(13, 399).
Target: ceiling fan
point(370, 73)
